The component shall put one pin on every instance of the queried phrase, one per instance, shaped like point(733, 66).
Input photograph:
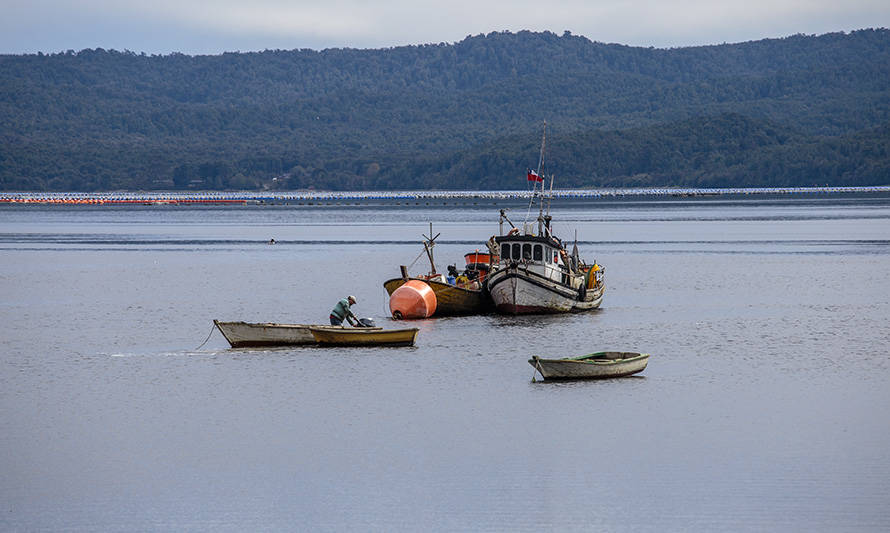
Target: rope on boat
point(385, 303)
point(208, 337)
point(416, 258)
point(386, 299)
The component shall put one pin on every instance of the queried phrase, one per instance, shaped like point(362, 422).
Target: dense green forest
point(802, 110)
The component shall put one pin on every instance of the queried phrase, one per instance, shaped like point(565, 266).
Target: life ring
point(513, 231)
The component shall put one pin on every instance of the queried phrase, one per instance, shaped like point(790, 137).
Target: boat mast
point(428, 242)
point(547, 217)
point(541, 158)
point(541, 177)
point(501, 220)
point(576, 259)
point(550, 196)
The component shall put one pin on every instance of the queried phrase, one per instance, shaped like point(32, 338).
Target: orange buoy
point(414, 299)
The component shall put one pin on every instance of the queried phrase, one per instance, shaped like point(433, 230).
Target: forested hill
point(801, 110)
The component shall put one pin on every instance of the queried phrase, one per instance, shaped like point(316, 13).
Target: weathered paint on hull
point(515, 292)
point(248, 335)
point(450, 300)
point(554, 369)
point(245, 334)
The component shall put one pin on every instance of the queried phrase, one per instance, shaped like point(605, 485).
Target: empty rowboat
point(246, 334)
point(364, 336)
point(599, 365)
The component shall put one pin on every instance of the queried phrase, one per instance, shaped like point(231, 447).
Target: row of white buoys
point(413, 196)
point(414, 299)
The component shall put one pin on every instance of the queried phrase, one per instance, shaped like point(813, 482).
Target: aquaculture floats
point(322, 198)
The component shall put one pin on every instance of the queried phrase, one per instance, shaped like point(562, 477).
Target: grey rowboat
point(599, 365)
point(241, 334)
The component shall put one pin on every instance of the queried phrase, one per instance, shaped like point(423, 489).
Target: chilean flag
point(533, 176)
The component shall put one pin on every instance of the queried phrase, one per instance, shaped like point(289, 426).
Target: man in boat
point(473, 280)
point(451, 279)
point(343, 312)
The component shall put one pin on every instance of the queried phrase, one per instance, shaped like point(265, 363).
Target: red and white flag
point(533, 176)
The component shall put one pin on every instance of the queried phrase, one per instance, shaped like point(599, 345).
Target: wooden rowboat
point(244, 334)
point(600, 365)
point(364, 336)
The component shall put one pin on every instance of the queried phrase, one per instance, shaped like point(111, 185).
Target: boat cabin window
point(530, 252)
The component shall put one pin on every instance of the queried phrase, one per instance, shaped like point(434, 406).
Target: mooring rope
point(208, 337)
point(385, 303)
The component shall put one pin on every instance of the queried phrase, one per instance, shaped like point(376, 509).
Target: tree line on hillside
point(792, 111)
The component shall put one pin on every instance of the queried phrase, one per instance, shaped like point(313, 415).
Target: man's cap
point(351, 297)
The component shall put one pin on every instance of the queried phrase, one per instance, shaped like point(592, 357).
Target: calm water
point(764, 406)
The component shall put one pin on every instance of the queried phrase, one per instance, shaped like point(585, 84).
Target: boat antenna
point(540, 167)
point(541, 158)
point(550, 196)
point(547, 218)
point(576, 260)
point(539, 177)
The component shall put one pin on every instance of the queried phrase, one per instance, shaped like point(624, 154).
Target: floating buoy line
point(311, 198)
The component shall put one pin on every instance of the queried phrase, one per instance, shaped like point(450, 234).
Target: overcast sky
point(216, 26)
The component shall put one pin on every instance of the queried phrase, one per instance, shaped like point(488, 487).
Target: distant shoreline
point(326, 197)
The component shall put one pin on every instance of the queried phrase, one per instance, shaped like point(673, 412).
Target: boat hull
point(516, 291)
point(247, 334)
point(450, 300)
point(602, 365)
point(362, 337)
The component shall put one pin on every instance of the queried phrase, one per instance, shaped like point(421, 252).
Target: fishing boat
point(326, 336)
point(458, 293)
point(534, 272)
point(246, 334)
point(599, 365)
point(452, 300)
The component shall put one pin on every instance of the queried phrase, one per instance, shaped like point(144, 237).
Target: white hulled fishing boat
point(534, 272)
